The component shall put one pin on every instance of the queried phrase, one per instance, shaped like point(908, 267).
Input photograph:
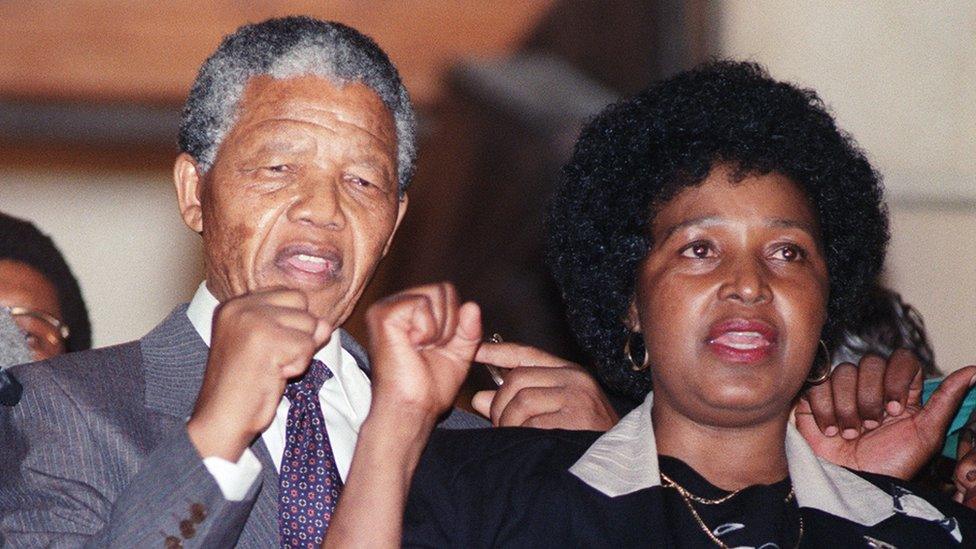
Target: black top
point(513, 488)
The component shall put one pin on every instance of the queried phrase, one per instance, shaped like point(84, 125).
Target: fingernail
point(849, 434)
point(830, 431)
point(894, 407)
point(971, 475)
point(972, 381)
point(870, 424)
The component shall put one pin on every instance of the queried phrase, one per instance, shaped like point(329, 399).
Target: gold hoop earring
point(628, 352)
point(826, 371)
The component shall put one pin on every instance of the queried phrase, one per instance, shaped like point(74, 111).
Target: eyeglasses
point(46, 335)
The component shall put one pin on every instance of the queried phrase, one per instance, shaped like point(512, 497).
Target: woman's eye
point(698, 250)
point(788, 253)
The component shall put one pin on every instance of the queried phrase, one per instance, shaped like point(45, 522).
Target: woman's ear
point(632, 318)
point(189, 185)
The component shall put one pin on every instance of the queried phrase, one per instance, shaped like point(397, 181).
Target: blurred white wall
point(122, 236)
point(899, 76)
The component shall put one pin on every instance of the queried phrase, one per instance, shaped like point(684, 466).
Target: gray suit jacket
point(96, 453)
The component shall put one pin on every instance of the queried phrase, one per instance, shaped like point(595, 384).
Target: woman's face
point(731, 298)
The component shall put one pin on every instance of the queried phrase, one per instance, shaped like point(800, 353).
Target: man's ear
point(401, 211)
point(632, 318)
point(189, 185)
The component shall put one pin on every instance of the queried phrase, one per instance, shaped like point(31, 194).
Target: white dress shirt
point(345, 399)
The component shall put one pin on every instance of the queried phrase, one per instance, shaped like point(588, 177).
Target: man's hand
point(260, 340)
point(541, 390)
point(421, 347)
point(855, 399)
point(901, 444)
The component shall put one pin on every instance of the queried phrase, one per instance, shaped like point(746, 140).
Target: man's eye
point(356, 180)
point(698, 250)
point(789, 252)
point(277, 168)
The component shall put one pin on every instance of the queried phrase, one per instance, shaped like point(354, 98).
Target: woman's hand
point(906, 437)
point(421, 344)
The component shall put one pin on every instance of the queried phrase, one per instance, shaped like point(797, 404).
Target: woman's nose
point(746, 280)
point(319, 203)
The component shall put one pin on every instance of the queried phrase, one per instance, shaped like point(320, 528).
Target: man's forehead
point(352, 101)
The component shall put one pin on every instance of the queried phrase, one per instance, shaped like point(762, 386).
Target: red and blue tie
point(308, 483)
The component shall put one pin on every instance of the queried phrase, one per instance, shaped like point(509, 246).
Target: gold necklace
point(670, 483)
point(687, 497)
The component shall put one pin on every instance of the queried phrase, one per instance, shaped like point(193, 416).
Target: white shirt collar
point(624, 460)
point(201, 312)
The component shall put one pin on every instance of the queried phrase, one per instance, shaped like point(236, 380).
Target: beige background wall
point(123, 237)
point(898, 76)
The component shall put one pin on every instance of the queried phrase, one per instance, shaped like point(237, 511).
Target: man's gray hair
point(285, 48)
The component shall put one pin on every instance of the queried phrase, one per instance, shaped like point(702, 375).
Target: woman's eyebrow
point(783, 223)
point(704, 221)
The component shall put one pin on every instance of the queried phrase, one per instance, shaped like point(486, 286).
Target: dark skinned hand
point(907, 435)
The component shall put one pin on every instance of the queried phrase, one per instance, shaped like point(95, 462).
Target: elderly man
point(298, 143)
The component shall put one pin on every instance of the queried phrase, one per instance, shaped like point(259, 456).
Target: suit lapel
point(355, 349)
point(174, 358)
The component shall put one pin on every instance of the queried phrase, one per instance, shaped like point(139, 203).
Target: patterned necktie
point(309, 483)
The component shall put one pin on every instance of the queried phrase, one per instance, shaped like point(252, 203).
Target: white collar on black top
point(624, 460)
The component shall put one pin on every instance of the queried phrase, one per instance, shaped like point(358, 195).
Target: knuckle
point(845, 371)
point(873, 361)
point(523, 402)
point(516, 379)
point(870, 400)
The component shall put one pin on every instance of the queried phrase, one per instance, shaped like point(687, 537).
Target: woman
point(713, 235)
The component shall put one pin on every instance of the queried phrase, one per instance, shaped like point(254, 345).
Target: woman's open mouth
point(742, 340)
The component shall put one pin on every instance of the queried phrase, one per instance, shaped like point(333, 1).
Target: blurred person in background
point(41, 293)
point(887, 324)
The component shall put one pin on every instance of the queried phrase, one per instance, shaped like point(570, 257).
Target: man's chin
point(326, 307)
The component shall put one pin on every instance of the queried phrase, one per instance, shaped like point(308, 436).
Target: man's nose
point(319, 203)
point(746, 279)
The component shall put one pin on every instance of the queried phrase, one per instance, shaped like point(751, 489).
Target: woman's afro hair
point(638, 154)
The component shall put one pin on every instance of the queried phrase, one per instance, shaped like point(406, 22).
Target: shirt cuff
point(234, 479)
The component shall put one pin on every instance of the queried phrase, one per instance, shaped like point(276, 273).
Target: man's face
point(302, 194)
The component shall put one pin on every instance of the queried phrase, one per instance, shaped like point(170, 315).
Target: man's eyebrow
point(375, 162)
point(280, 146)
